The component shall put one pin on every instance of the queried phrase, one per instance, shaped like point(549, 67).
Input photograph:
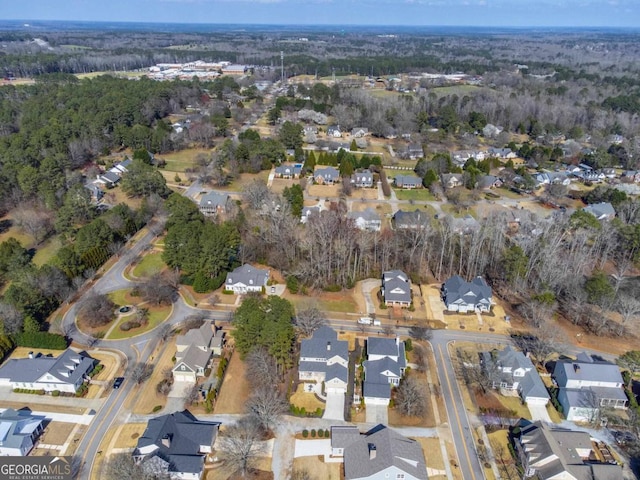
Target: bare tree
point(240, 444)
point(12, 319)
point(410, 397)
point(388, 329)
point(420, 357)
point(192, 395)
point(121, 466)
point(266, 404)
point(421, 333)
point(482, 375)
point(35, 220)
point(309, 320)
point(261, 369)
point(164, 332)
point(96, 309)
point(546, 341)
point(141, 372)
point(301, 474)
point(158, 290)
point(629, 309)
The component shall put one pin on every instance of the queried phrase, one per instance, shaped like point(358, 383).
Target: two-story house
point(213, 204)
point(363, 179)
point(511, 370)
point(586, 385)
point(324, 358)
point(462, 296)
point(396, 289)
point(384, 367)
point(246, 279)
point(193, 353)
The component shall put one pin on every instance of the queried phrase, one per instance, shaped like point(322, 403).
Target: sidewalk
point(63, 417)
point(7, 394)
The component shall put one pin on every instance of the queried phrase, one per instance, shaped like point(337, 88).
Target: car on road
point(117, 382)
point(365, 320)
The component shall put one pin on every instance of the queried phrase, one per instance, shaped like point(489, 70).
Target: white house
point(193, 353)
point(19, 431)
point(384, 367)
point(246, 279)
point(324, 358)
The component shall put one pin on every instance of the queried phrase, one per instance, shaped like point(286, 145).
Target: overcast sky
point(623, 13)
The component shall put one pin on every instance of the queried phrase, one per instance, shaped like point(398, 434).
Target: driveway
point(334, 407)
point(312, 448)
point(539, 413)
point(377, 414)
point(366, 287)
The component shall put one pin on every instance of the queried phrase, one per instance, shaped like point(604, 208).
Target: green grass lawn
point(505, 192)
point(47, 250)
point(121, 297)
point(183, 159)
point(345, 306)
point(420, 195)
point(150, 264)
point(156, 316)
point(515, 404)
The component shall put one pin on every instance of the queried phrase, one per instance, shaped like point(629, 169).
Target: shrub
point(318, 412)
point(332, 288)
point(55, 393)
point(313, 433)
point(408, 345)
point(305, 433)
point(157, 408)
point(292, 284)
point(320, 433)
point(46, 340)
point(327, 434)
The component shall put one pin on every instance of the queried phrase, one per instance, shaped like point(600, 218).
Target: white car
point(365, 320)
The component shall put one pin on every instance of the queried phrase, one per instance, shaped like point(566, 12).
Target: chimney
point(328, 346)
point(576, 367)
point(31, 355)
point(372, 451)
point(166, 441)
point(397, 341)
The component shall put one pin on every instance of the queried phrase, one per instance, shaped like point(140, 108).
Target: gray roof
point(185, 434)
point(376, 390)
point(218, 339)
point(487, 181)
point(509, 357)
point(16, 425)
point(344, 435)
point(368, 215)
point(336, 370)
point(532, 386)
point(248, 275)
point(560, 446)
point(200, 337)
point(593, 371)
point(460, 292)
point(214, 200)
point(110, 177)
point(394, 274)
point(589, 397)
point(600, 210)
point(193, 357)
point(289, 169)
point(382, 346)
point(391, 449)
point(401, 180)
point(328, 173)
point(396, 290)
point(324, 344)
point(69, 367)
point(416, 218)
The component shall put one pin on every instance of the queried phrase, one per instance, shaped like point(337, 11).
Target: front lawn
point(419, 195)
point(149, 265)
point(157, 315)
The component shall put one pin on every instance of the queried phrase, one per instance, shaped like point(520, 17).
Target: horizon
point(366, 13)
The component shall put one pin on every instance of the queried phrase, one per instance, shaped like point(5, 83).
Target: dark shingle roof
point(69, 367)
point(391, 449)
point(459, 291)
point(324, 344)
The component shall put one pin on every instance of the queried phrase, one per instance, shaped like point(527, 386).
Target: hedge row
point(47, 340)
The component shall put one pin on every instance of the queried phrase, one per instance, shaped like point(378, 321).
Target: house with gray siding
point(384, 367)
point(462, 296)
point(19, 431)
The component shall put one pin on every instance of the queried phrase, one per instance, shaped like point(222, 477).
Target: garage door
point(183, 377)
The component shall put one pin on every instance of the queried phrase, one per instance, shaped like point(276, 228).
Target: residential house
point(310, 130)
point(609, 172)
point(412, 152)
point(602, 210)
point(463, 225)
point(548, 178)
point(410, 220)
point(193, 353)
point(308, 212)
point(44, 372)
point(334, 131)
point(287, 170)
point(368, 219)
point(631, 176)
point(176, 444)
point(590, 176)
point(487, 182)
point(341, 437)
point(452, 180)
point(359, 132)
point(553, 453)
point(213, 204)
point(19, 431)
point(217, 342)
point(379, 454)
point(246, 279)
point(408, 182)
point(396, 289)
point(511, 370)
point(363, 179)
point(586, 385)
point(462, 296)
point(123, 166)
point(95, 191)
point(324, 358)
point(460, 157)
point(109, 179)
point(326, 176)
point(384, 367)
point(501, 153)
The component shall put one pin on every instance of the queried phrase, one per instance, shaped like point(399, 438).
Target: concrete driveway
point(312, 448)
point(377, 414)
point(334, 409)
point(539, 412)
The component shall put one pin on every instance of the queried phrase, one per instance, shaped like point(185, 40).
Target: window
point(400, 476)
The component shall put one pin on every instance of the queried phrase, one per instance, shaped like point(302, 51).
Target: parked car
point(365, 320)
point(117, 382)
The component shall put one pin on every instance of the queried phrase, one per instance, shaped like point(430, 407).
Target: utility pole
point(282, 66)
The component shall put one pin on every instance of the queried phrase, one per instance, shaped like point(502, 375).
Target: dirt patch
point(365, 194)
point(279, 184)
point(235, 388)
point(324, 191)
point(129, 434)
point(57, 433)
point(317, 469)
